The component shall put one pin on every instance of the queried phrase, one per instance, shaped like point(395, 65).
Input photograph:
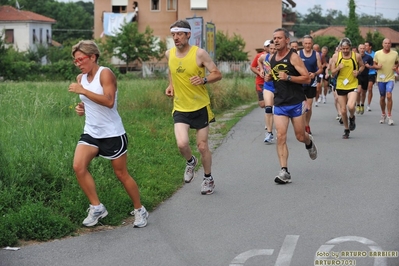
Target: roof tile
point(338, 31)
point(11, 14)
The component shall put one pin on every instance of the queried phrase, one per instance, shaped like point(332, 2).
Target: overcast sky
point(388, 8)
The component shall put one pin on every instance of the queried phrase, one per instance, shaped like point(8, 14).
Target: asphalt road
point(341, 208)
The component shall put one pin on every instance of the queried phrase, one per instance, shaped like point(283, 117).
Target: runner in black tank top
point(286, 92)
point(288, 74)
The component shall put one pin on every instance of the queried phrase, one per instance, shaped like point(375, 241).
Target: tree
point(330, 41)
point(352, 27)
point(230, 49)
point(130, 45)
point(376, 39)
point(315, 15)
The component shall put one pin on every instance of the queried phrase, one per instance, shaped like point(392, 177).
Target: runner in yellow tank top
point(187, 97)
point(347, 65)
point(191, 103)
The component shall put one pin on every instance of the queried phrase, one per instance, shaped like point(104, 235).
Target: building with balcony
point(253, 20)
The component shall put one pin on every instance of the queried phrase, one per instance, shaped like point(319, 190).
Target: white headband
point(177, 29)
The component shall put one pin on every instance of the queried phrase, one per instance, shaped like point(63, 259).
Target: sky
point(388, 8)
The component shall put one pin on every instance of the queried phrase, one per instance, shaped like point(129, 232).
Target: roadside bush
point(40, 223)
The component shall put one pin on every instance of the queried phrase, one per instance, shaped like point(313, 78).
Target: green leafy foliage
point(352, 27)
point(317, 18)
point(130, 45)
point(376, 39)
point(230, 48)
point(68, 26)
point(330, 41)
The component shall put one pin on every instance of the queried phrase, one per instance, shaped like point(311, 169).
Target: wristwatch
point(288, 78)
point(205, 80)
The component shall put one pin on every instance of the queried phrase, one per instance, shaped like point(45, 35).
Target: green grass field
point(40, 198)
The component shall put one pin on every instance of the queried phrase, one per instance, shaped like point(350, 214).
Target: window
point(199, 4)
point(118, 9)
point(48, 38)
point(171, 5)
point(154, 5)
point(119, 6)
point(34, 37)
point(9, 36)
point(41, 36)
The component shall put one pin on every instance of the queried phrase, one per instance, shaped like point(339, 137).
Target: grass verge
point(40, 198)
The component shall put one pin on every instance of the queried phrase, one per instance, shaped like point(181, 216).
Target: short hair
point(291, 42)
point(87, 47)
point(370, 43)
point(308, 37)
point(181, 24)
point(286, 33)
point(345, 41)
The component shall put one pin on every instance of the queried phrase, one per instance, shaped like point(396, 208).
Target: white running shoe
point(283, 177)
point(383, 118)
point(95, 215)
point(390, 121)
point(207, 186)
point(313, 150)
point(269, 138)
point(189, 172)
point(140, 217)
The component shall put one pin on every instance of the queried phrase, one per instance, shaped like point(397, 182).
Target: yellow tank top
point(345, 78)
point(187, 97)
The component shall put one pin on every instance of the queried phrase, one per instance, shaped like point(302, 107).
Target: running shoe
point(368, 108)
point(207, 186)
point(357, 109)
point(283, 177)
point(383, 118)
point(340, 120)
point(313, 150)
point(95, 215)
point(390, 121)
point(362, 109)
point(324, 99)
point(338, 117)
point(189, 172)
point(346, 134)
point(269, 138)
point(140, 217)
point(352, 124)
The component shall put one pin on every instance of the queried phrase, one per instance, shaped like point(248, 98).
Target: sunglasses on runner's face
point(80, 60)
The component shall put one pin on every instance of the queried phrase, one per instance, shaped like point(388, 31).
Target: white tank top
point(101, 121)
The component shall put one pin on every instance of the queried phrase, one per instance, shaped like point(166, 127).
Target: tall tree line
point(316, 18)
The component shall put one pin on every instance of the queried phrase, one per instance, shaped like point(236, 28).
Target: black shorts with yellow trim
point(196, 119)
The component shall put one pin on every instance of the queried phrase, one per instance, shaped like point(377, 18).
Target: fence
point(150, 69)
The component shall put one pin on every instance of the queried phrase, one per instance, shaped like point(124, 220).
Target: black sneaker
point(352, 124)
point(340, 120)
point(346, 134)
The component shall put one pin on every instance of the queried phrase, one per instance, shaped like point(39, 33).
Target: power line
point(73, 30)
